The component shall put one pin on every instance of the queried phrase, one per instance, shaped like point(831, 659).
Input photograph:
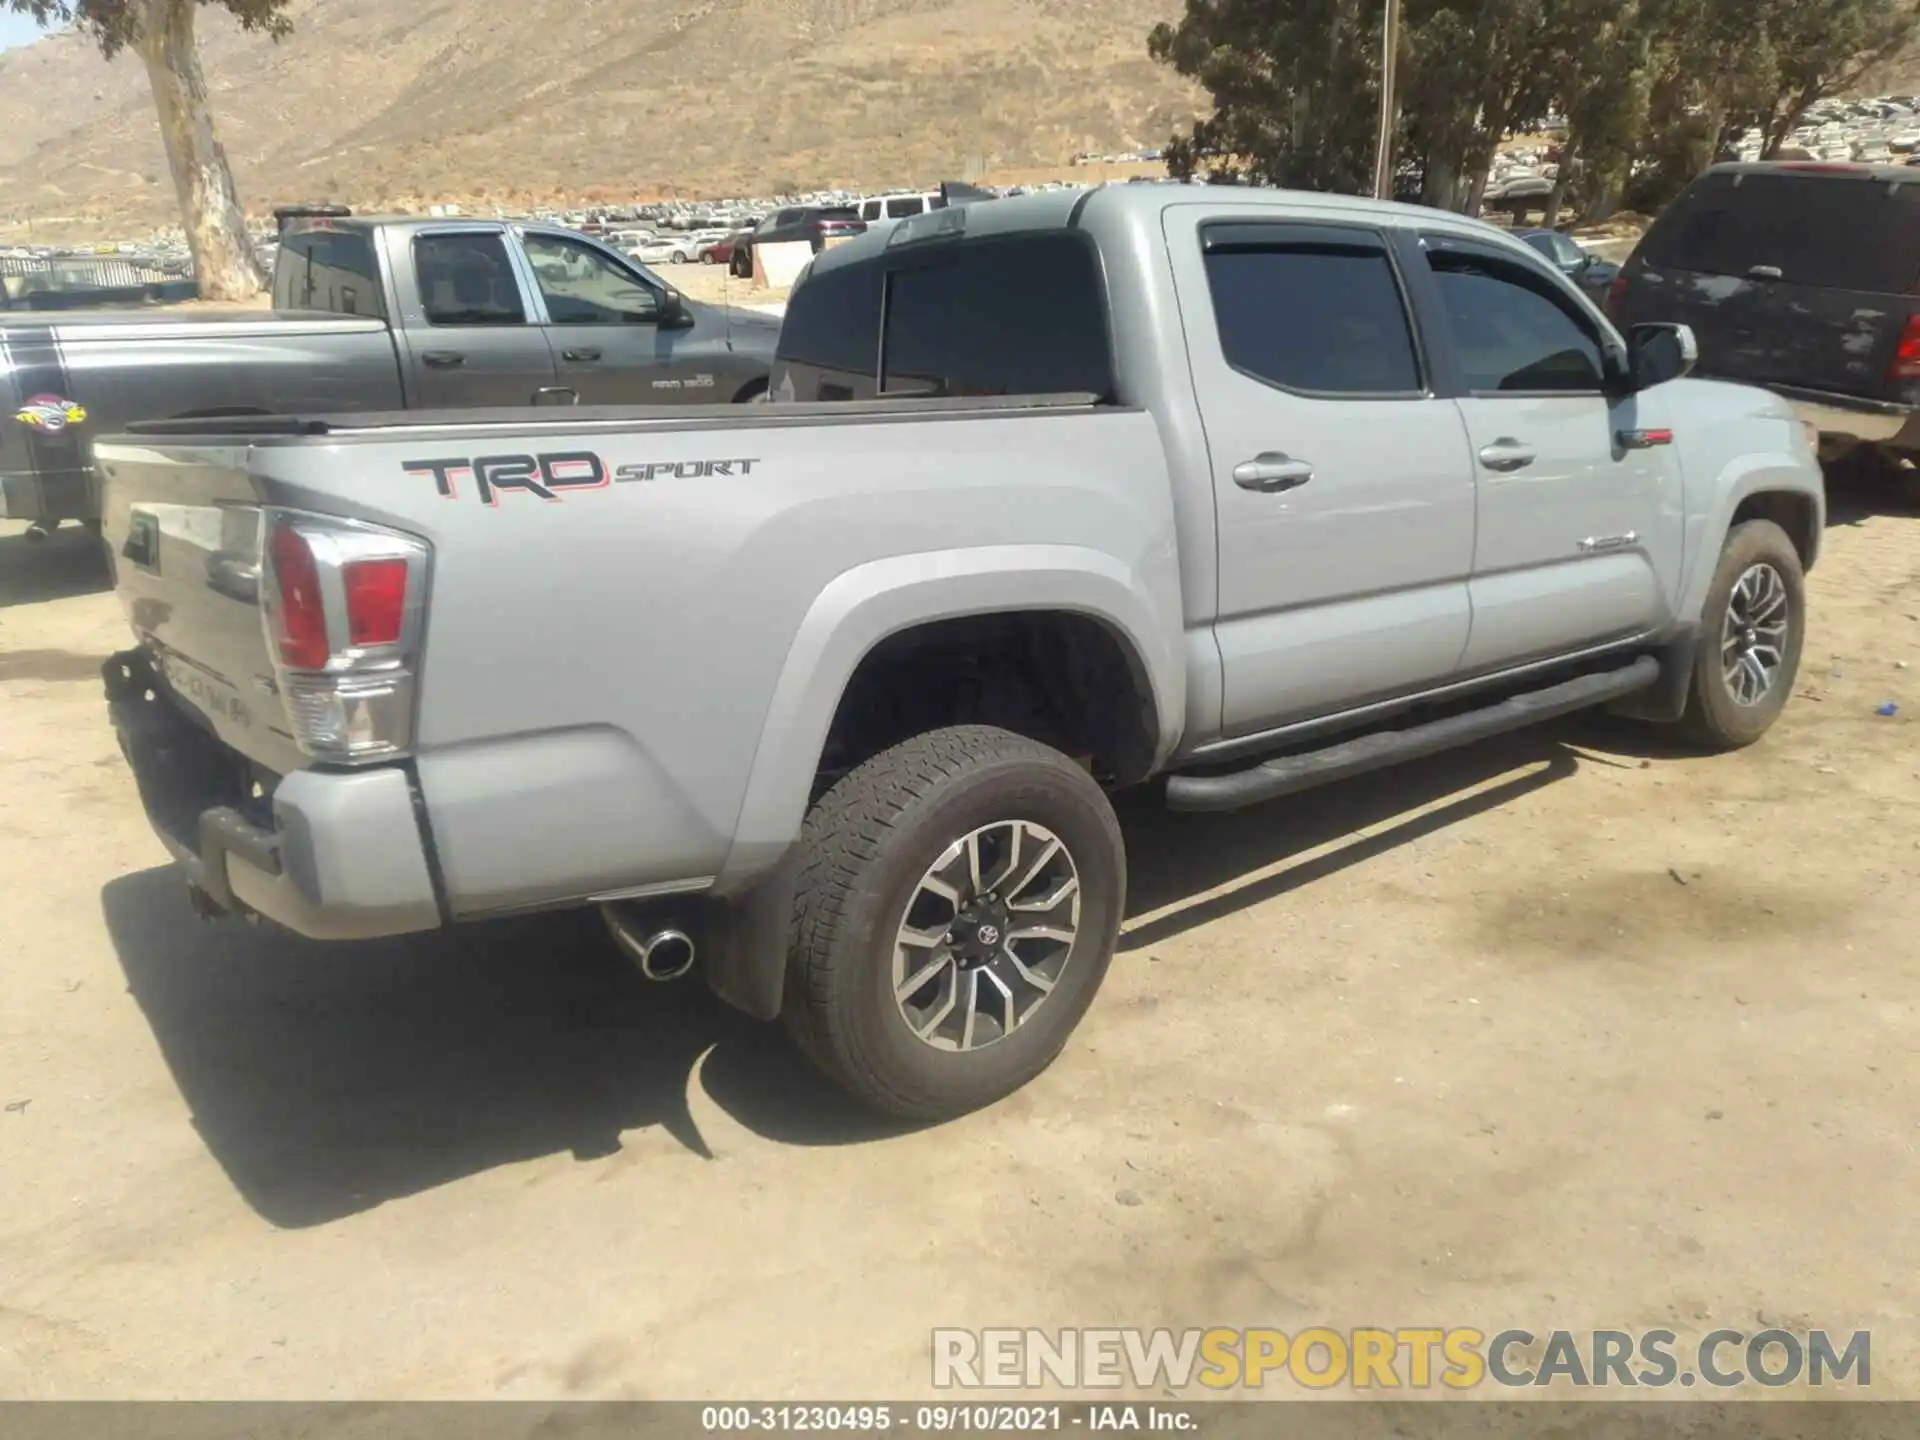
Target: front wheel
point(1750, 637)
point(679, 257)
point(958, 904)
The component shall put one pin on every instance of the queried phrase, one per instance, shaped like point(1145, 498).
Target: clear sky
point(16, 29)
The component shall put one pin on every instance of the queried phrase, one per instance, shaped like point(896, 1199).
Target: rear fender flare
point(864, 605)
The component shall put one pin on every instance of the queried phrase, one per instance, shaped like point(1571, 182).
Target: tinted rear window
point(830, 337)
point(331, 270)
point(1827, 231)
point(466, 279)
point(1021, 316)
point(1323, 318)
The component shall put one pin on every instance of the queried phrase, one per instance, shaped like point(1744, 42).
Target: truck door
point(1579, 498)
point(602, 320)
point(468, 330)
point(1343, 486)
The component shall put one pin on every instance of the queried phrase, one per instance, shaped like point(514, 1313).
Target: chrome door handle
point(585, 354)
point(1507, 454)
point(1270, 472)
point(1766, 272)
point(444, 359)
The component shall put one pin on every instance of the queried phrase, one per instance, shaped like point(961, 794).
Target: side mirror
point(674, 314)
point(1659, 353)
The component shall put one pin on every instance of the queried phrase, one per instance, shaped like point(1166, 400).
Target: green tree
point(161, 32)
point(1295, 87)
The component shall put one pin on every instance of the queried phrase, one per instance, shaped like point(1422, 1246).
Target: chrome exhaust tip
point(661, 956)
point(38, 531)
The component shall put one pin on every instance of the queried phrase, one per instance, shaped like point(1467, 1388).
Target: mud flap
point(1665, 701)
point(745, 958)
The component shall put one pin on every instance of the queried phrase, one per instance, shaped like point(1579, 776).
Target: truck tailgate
point(184, 533)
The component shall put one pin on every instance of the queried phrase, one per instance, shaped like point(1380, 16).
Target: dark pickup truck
point(369, 314)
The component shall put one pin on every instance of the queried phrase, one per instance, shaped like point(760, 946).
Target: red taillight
point(1906, 356)
point(301, 614)
point(376, 601)
point(1616, 292)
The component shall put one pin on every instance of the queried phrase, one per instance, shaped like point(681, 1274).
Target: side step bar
point(1289, 773)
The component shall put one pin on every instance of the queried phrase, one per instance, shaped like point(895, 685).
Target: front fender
point(863, 606)
point(1740, 480)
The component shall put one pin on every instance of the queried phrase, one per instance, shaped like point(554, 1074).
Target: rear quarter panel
point(618, 679)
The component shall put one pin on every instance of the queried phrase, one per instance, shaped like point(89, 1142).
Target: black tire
point(866, 846)
point(707, 257)
point(1716, 718)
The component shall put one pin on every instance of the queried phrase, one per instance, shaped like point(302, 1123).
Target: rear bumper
point(1877, 421)
point(334, 855)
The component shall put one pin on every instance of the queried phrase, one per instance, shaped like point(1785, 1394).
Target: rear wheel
point(1751, 632)
point(957, 908)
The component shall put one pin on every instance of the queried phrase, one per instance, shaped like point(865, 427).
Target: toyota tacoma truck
point(1230, 491)
point(368, 314)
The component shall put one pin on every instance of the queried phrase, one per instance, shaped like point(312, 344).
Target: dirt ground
point(1563, 1030)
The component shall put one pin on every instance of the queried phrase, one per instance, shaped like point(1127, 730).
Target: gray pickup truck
point(1233, 491)
point(368, 314)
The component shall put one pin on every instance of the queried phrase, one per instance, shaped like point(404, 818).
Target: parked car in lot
point(1565, 254)
point(1799, 277)
point(815, 224)
point(675, 249)
point(368, 314)
point(881, 212)
point(720, 252)
point(1244, 491)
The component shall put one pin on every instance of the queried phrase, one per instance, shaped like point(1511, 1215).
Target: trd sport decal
point(550, 477)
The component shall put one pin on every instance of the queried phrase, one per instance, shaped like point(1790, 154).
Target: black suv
point(1803, 277)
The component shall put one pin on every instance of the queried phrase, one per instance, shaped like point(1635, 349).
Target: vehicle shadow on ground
point(68, 562)
point(327, 1079)
point(1177, 861)
point(1864, 483)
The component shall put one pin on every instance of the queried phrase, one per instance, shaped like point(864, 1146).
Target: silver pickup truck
point(368, 314)
point(1237, 492)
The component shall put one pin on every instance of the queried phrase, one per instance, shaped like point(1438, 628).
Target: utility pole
point(1389, 53)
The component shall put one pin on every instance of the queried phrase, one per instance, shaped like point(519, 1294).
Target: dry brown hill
point(377, 102)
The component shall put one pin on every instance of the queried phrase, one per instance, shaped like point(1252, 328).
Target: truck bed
point(598, 661)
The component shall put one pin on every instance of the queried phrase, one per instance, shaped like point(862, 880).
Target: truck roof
point(1821, 169)
point(1144, 205)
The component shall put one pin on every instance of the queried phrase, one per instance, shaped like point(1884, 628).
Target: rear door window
point(900, 209)
point(330, 270)
point(1829, 231)
point(1321, 313)
point(1020, 316)
point(467, 279)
